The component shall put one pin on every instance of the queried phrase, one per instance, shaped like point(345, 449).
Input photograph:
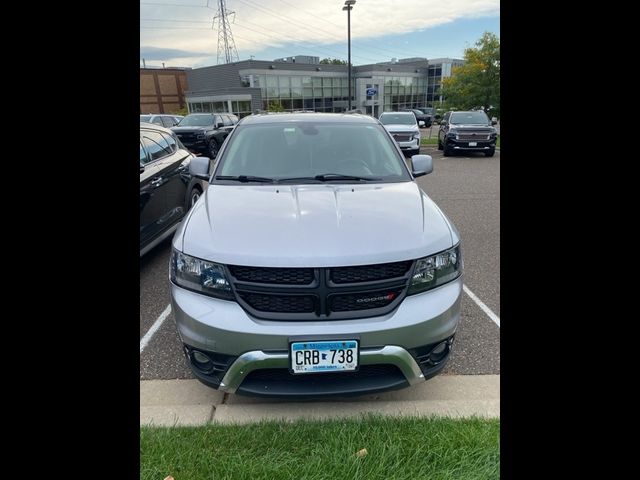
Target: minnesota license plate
point(324, 356)
point(473, 144)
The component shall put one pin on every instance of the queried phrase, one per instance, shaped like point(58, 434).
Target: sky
point(179, 33)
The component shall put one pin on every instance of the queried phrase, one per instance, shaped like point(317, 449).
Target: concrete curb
point(188, 402)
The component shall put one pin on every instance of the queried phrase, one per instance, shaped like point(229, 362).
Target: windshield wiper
point(327, 177)
point(244, 178)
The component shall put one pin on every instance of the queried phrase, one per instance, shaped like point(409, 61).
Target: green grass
point(498, 142)
point(400, 448)
point(429, 141)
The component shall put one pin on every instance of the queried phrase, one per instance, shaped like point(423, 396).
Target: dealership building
point(303, 83)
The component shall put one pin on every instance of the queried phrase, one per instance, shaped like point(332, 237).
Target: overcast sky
point(179, 33)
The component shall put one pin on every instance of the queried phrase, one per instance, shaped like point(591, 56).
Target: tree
point(332, 61)
point(476, 84)
point(275, 106)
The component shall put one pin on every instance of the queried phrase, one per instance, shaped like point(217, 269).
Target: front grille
point(278, 382)
point(369, 273)
point(308, 294)
point(363, 301)
point(278, 276)
point(471, 136)
point(279, 303)
point(402, 138)
point(186, 136)
point(283, 375)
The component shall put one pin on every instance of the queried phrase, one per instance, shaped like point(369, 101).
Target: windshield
point(196, 121)
point(145, 118)
point(398, 119)
point(469, 118)
point(302, 151)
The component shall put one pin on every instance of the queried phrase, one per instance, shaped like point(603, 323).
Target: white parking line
point(481, 304)
point(154, 328)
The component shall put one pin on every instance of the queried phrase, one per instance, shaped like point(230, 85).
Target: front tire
point(439, 145)
point(447, 150)
point(195, 194)
point(213, 149)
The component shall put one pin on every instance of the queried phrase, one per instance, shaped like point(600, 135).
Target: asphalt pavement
point(466, 188)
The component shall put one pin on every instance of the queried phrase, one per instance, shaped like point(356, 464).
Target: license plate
point(321, 356)
point(473, 144)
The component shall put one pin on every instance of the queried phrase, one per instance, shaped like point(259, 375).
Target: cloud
point(159, 53)
point(312, 27)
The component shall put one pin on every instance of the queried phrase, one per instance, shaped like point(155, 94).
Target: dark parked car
point(204, 132)
point(167, 187)
point(467, 131)
point(162, 120)
point(420, 116)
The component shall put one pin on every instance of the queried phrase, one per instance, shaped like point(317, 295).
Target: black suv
point(204, 132)
point(420, 116)
point(467, 131)
point(167, 188)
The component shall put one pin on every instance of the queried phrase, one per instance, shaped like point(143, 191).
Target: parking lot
point(466, 188)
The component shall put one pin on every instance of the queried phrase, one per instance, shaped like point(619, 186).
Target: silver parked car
point(314, 264)
point(403, 126)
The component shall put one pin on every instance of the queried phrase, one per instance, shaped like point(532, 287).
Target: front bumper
point(196, 146)
point(480, 145)
point(413, 144)
point(248, 344)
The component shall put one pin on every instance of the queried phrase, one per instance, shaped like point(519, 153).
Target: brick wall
point(162, 90)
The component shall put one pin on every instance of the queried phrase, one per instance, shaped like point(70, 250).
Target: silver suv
point(314, 264)
point(403, 126)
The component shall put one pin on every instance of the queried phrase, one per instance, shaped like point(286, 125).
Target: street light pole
point(348, 5)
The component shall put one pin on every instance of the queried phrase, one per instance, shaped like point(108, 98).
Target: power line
point(179, 21)
point(175, 5)
point(377, 48)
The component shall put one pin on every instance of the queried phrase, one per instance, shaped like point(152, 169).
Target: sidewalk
point(188, 402)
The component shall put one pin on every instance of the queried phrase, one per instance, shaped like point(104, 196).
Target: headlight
point(416, 135)
point(433, 271)
point(200, 276)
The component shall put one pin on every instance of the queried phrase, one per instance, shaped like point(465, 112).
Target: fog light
point(201, 361)
point(439, 352)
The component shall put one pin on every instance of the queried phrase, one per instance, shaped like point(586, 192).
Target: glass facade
point(241, 108)
point(301, 92)
point(434, 75)
point(403, 92)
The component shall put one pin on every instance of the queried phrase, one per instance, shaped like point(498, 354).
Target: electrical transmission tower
point(227, 51)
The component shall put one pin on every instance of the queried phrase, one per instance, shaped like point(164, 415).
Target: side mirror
point(421, 123)
point(421, 165)
point(219, 125)
point(494, 122)
point(199, 168)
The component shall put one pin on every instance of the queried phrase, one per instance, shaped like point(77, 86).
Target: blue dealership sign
point(371, 92)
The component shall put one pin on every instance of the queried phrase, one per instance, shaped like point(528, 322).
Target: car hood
point(314, 225)
point(393, 127)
